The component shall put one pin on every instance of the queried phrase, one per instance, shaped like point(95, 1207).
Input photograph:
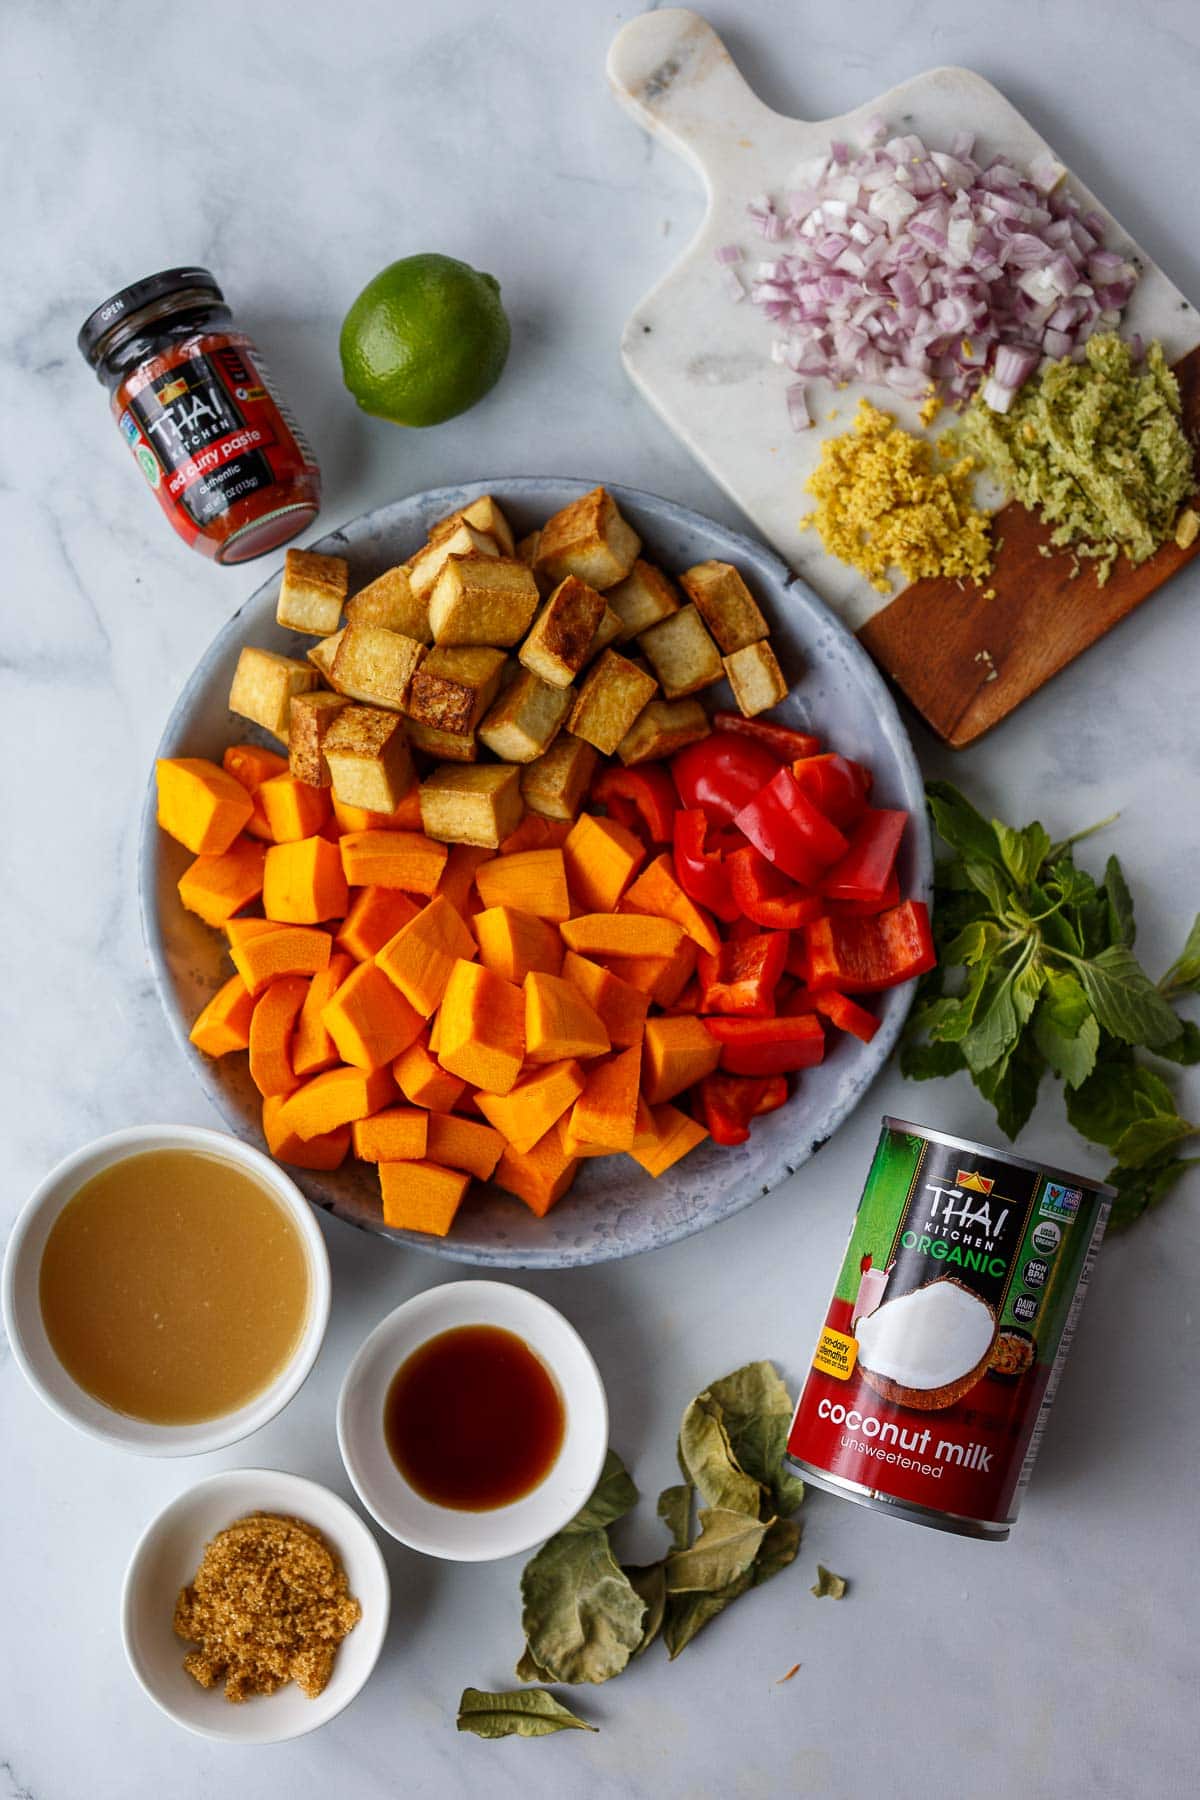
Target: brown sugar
point(269, 1604)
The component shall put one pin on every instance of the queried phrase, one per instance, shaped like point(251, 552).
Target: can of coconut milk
point(943, 1344)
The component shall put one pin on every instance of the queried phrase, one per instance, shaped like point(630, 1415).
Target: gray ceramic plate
point(613, 1210)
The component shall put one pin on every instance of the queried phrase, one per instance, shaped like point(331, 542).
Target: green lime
point(425, 340)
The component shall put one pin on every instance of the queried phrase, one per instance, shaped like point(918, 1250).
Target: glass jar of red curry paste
point(230, 466)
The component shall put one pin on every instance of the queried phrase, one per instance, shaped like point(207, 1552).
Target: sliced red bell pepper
point(702, 867)
point(742, 977)
point(786, 743)
point(728, 1103)
point(796, 962)
point(865, 870)
point(774, 1097)
point(836, 786)
point(768, 1046)
point(846, 1014)
point(642, 799)
point(864, 956)
point(784, 824)
point(721, 773)
point(767, 896)
point(858, 909)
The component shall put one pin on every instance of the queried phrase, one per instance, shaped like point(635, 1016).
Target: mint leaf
point(949, 1020)
point(991, 882)
point(1023, 852)
point(1117, 1093)
point(929, 1062)
point(1138, 1189)
point(980, 939)
point(1003, 1010)
point(1125, 1000)
point(1183, 977)
point(1185, 1049)
point(1065, 1029)
point(1012, 1087)
point(1149, 1138)
point(958, 823)
point(1121, 926)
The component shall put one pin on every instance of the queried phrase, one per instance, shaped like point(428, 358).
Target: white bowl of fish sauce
point(473, 1421)
point(166, 1289)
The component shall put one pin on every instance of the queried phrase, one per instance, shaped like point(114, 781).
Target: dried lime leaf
point(828, 1584)
point(582, 1619)
point(675, 1511)
point(725, 1549)
point(756, 1411)
point(612, 1497)
point(686, 1614)
point(529, 1669)
point(531, 1712)
point(649, 1582)
point(781, 1541)
point(707, 1457)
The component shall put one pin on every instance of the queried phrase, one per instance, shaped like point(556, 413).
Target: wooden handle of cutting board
point(673, 73)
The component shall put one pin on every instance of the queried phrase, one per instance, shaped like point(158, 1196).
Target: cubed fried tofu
point(322, 655)
point(446, 746)
point(390, 601)
point(479, 805)
point(369, 759)
point(607, 632)
point(644, 597)
point(561, 635)
point(263, 686)
point(682, 654)
point(312, 592)
point(486, 516)
point(482, 600)
point(526, 718)
point(454, 687)
point(756, 678)
point(461, 540)
point(375, 665)
point(610, 700)
point(661, 728)
point(310, 718)
point(725, 604)
point(555, 784)
point(588, 538)
point(526, 552)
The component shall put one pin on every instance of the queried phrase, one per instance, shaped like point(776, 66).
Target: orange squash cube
point(252, 765)
point(605, 1113)
point(620, 935)
point(224, 1024)
point(423, 1081)
point(515, 943)
point(458, 877)
point(535, 1104)
point(303, 882)
point(662, 978)
point(656, 892)
point(463, 1144)
point(540, 1176)
point(602, 858)
point(621, 1006)
point(559, 1023)
point(218, 886)
point(420, 1196)
point(675, 1053)
point(200, 805)
point(312, 1047)
point(673, 1135)
point(394, 859)
point(375, 915)
point(421, 955)
point(337, 1097)
point(406, 817)
point(266, 956)
point(397, 1134)
point(328, 1151)
point(532, 881)
point(369, 1019)
point(481, 1028)
point(272, 1028)
point(293, 809)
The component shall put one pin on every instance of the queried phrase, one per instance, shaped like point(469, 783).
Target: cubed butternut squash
point(218, 886)
point(272, 1028)
point(394, 859)
point(421, 1196)
point(622, 1007)
point(540, 1176)
point(200, 804)
point(406, 817)
point(458, 875)
point(536, 833)
point(266, 956)
point(327, 1151)
point(312, 1047)
point(535, 1104)
point(673, 1136)
point(658, 893)
point(606, 1111)
point(337, 1097)
point(481, 1028)
point(513, 944)
point(601, 859)
point(293, 809)
point(397, 1134)
point(662, 978)
point(224, 1024)
point(303, 882)
point(423, 1081)
point(421, 955)
point(532, 881)
point(464, 1144)
point(375, 916)
point(559, 1023)
point(369, 1019)
point(675, 1053)
point(620, 935)
point(252, 765)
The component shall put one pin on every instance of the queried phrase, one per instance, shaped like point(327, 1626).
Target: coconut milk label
point(958, 1288)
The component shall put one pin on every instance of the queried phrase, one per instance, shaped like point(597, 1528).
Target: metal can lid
point(953, 1142)
point(128, 300)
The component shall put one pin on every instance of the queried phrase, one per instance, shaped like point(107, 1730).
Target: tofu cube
point(310, 719)
point(369, 759)
point(312, 592)
point(485, 515)
point(460, 540)
point(322, 655)
point(610, 700)
point(482, 600)
point(390, 601)
point(644, 597)
point(526, 552)
point(561, 635)
point(375, 665)
point(454, 687)
point(555, 784)
point(607, 632)
point(526, 718)
point(682, 654)
point(590, 539)
point(263, 686)
point(479, 805)
point(446, 746)
point(725, 604)
point(661, 728)
point(756, 678)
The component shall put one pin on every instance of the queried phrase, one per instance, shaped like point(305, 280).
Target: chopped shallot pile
point(928, 272)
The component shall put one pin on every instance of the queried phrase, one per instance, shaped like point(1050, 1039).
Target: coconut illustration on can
point(943, 1343)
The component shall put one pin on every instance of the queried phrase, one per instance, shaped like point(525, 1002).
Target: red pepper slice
point(786, 744)
point(768, 897)
point(836, 786)
point(857, 909)
point(784, 824)
point(864, 956)
point(701, 866)
point(639, 798)
point(865, 870)
point(774, 1097)
point(728, 1103)
point(846, 1014)
point(768, 1046)
point(722, 772)
point(742, 977)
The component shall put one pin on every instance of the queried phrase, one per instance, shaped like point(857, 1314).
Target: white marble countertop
point(296, 150)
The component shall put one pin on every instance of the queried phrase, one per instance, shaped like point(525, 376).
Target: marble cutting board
point(702, 361)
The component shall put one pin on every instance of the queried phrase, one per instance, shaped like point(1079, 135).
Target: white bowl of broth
point(167, 1289)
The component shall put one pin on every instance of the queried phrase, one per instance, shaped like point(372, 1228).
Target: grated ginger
point(882, 504)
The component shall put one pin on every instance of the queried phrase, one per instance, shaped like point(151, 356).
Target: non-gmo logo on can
point(1060, 1202)
point(1045, 1237)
